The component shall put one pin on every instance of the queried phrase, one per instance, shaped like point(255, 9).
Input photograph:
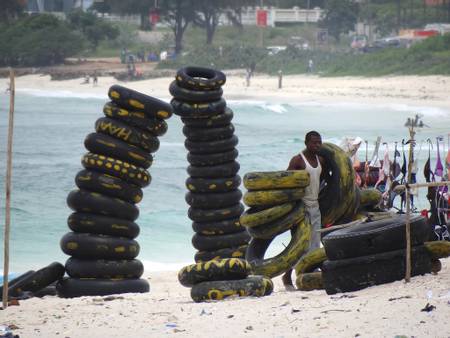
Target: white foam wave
point(160, 266)
point(61, 94)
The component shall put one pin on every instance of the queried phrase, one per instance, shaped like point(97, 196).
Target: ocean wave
point(61, 94)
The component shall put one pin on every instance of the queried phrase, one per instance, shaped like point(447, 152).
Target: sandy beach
point(390, 310)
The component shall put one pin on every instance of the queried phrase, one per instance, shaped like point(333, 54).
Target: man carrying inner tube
point(310, 161)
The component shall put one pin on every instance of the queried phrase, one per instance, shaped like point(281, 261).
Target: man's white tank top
point(312, 191)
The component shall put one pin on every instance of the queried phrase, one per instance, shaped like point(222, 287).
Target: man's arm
point(296, 163)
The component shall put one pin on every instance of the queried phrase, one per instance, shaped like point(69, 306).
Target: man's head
point(313, 141)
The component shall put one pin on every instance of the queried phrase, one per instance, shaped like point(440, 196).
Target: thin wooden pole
point(412, 133)
point(422, 185)
point(8, 188)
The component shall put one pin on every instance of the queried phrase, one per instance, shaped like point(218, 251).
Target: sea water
point(48, 144)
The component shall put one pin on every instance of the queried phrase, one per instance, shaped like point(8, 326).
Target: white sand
point(381, 311)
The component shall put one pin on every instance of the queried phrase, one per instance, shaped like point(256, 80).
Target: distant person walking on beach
point(95, 80)
point(310, 161)
point(310, 66)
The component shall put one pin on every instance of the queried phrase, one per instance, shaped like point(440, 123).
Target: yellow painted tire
point(219, 290)
point(199, 110)
point(275, 266)
point(263, 198)
point(254, 217)
point(236, 252)
point(438, 249)
point(309, 281)
point(124, 132)
point(153, 125)
point(227, 226)
point(370, 197)
point(279, 226)
point(311, 261)
point(339, 197)
point(200, 78)
point(211, 184)
point(133, 100)
point(276, 180)
point(223, 269)
point(111, 166)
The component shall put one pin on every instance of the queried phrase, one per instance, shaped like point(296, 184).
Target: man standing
point(310, 161)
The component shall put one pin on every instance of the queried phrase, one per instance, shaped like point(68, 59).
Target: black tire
point(224, 269)
point(198, 110)
point(218, 171)
point(201, 160)
point(38, 280)
point(90, 246)
point(374, 237)
point(133, 100)
point(229, 226)
point(71, 287)
point(218, 290)
point(213, 185)
point(200, 78)
point(111, 166)
point(105, 145)
point(153, 125)
point(109, 269)
point(213, 200)
point(131, 135)
point(278, 226)
point(210, 243)
point(205, 256)
point(108, 185)
point(189, 95)
point(95, 203)
point(102, 225)
point(14, 281)
point(211, 215)
point(216, 120)
point(208, 134)
point(354, 274)
point(212, 146)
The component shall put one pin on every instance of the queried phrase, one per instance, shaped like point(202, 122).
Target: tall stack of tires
point(213, 189)
point(275, 205)
point(102, 243)
point(374, 253)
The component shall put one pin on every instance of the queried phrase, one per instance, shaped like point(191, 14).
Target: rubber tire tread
point(235, 252)
point(352, 274)
point(210, 215)
point(108, 269)
point(211, 147)
point(72, 287)
point(217, 120)
point(202, 110)
point(210, 243)
point(257, 216)
point(200, 78)
point(90, 246)
point(208, 134)
point(262, 198)
point(213, 200)
point(229, 226)
point(218, 171)
point(269, 180)
point(189, 95)
point(200, 160)
point(213, 185)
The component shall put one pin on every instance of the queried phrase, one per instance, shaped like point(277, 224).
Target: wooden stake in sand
point(8, 189)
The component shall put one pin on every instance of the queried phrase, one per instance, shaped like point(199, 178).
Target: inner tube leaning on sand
point(223, 269)
point(109, 146)
point(201, 110)
point(307, 279)
point(217, 290)
point(74, 287)
point(275, 266)
point(153, 125)
point(133, 100)
point(111, 166)
point(200, 78)
point(108, 185)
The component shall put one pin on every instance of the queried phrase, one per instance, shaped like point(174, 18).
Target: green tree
point(93, 28)
point(339, 16)
point(11, 9)
point(139, 7)
point(38, 41)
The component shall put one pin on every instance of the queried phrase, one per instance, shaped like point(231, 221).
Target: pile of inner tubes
point(102, 243)
point(213, 187)
point(275, 205)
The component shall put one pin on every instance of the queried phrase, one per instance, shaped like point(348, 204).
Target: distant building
point(41, 6)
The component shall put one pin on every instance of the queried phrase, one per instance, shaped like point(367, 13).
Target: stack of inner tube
point(373, 253)
point(102, 243)
point(222, 278)
point(213, 183)
point(275, 205)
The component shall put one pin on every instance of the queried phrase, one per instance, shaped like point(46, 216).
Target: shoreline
point(429, 91)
